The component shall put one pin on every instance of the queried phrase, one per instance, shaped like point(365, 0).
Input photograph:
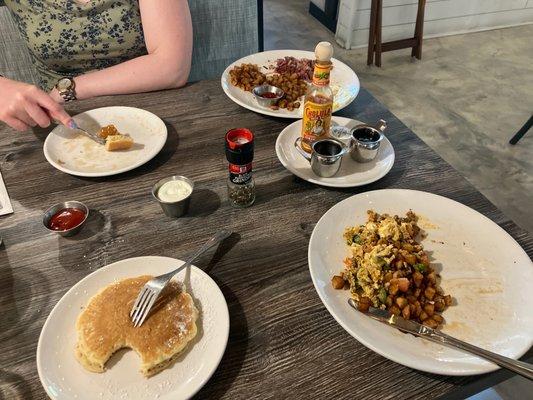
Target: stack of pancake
point(105, 327)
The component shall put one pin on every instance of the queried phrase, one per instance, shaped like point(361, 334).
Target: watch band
point(68, 95)
point(66, 90)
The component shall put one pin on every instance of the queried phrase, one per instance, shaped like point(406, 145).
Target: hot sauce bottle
point(318, 102)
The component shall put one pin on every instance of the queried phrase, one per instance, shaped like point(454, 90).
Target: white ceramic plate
point(351, 172)
point(72, 152)
point(64, 378)
point(344, 82)
point(487, 273)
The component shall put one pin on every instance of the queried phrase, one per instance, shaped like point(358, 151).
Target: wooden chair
point(374, 40)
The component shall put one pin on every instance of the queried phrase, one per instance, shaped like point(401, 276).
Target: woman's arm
point(167, 30)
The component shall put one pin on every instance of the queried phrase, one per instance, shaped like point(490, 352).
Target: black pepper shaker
point(240, 154)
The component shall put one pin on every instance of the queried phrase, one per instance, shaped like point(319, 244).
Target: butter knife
point(520, 367)
point(73, 125)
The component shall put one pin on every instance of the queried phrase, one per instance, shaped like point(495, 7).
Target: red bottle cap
point(239, 146)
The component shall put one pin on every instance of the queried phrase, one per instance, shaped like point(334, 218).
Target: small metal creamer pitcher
point(365, 141)
point(326, 156)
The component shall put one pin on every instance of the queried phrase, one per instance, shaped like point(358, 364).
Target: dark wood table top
point(283, 343)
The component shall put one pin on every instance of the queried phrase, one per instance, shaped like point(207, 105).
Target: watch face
point(64, 84)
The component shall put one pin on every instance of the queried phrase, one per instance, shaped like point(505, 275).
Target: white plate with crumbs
point(482, 267)
point(344, 82)
point(351, 173)
point(72, 152)
point(64, 378)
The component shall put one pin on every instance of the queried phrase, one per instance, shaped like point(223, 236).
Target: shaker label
point(316, 120)
point(240, 174)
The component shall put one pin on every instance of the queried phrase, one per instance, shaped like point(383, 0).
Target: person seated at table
point(88, 48)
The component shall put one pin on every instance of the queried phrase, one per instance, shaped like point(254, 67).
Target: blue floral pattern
point(67, 38)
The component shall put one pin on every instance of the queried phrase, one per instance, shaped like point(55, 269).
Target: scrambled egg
point(372, 250)
point(370, 272)
point(389, 229)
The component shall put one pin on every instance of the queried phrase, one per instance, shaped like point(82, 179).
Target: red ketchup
point(66, 219)
point(269, 95)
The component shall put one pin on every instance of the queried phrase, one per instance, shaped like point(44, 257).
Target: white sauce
point(173, 191)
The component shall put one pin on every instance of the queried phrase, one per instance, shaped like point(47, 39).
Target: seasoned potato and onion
point(292, 81)
point(388, 269)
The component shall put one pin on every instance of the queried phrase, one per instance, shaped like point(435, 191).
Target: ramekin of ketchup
point(66, 218)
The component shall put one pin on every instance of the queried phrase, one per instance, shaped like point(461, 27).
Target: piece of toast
point(118, 142)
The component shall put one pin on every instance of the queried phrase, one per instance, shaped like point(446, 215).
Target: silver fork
point(153, 288)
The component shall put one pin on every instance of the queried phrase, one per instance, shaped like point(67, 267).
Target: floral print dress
point(69, 38)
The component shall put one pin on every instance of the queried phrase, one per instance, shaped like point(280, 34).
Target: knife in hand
point(73, 125)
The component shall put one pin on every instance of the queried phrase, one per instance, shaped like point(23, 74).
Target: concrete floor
point(466, 98)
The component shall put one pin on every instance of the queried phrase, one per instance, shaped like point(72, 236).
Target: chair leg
point(379, 11)
point(527, 126)
point(372, 33)
point(419, 30)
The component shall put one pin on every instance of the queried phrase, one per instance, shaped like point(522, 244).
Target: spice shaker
point(239, 145)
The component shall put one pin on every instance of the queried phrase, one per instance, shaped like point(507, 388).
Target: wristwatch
point(65, 87)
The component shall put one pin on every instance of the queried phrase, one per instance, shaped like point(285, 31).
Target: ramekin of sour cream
point(173, 195)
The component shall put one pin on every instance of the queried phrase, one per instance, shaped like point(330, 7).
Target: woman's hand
point(23, 105)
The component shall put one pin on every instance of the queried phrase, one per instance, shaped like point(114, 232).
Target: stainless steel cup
point(326, 157)
point(365, 141)
point(259, 91)
point(48, 214)
point(177, 208)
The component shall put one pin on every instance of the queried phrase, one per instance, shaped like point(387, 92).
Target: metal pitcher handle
point(304, 154)
point(382, 125)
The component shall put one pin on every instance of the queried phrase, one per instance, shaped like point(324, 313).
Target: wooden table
point(283, 343)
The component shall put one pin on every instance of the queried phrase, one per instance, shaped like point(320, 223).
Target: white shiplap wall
point(442, 17)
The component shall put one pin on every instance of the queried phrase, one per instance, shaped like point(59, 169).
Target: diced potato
point(408, 247)
point(429, 309)
point(438, 318)
point(432, 277)
point(394, 310)
point(337, 282)
point(418, 310)
point(429, 292)
point(410, 258)
point(406, 312)
point(430, 322)
point(417, 278)
point(364, 304)
point(393, 288)
point(440, 305)
point(401, 302)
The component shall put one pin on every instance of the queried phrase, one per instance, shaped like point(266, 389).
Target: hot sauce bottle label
point(316, 120)
point(321, 74)
point(240, 174)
